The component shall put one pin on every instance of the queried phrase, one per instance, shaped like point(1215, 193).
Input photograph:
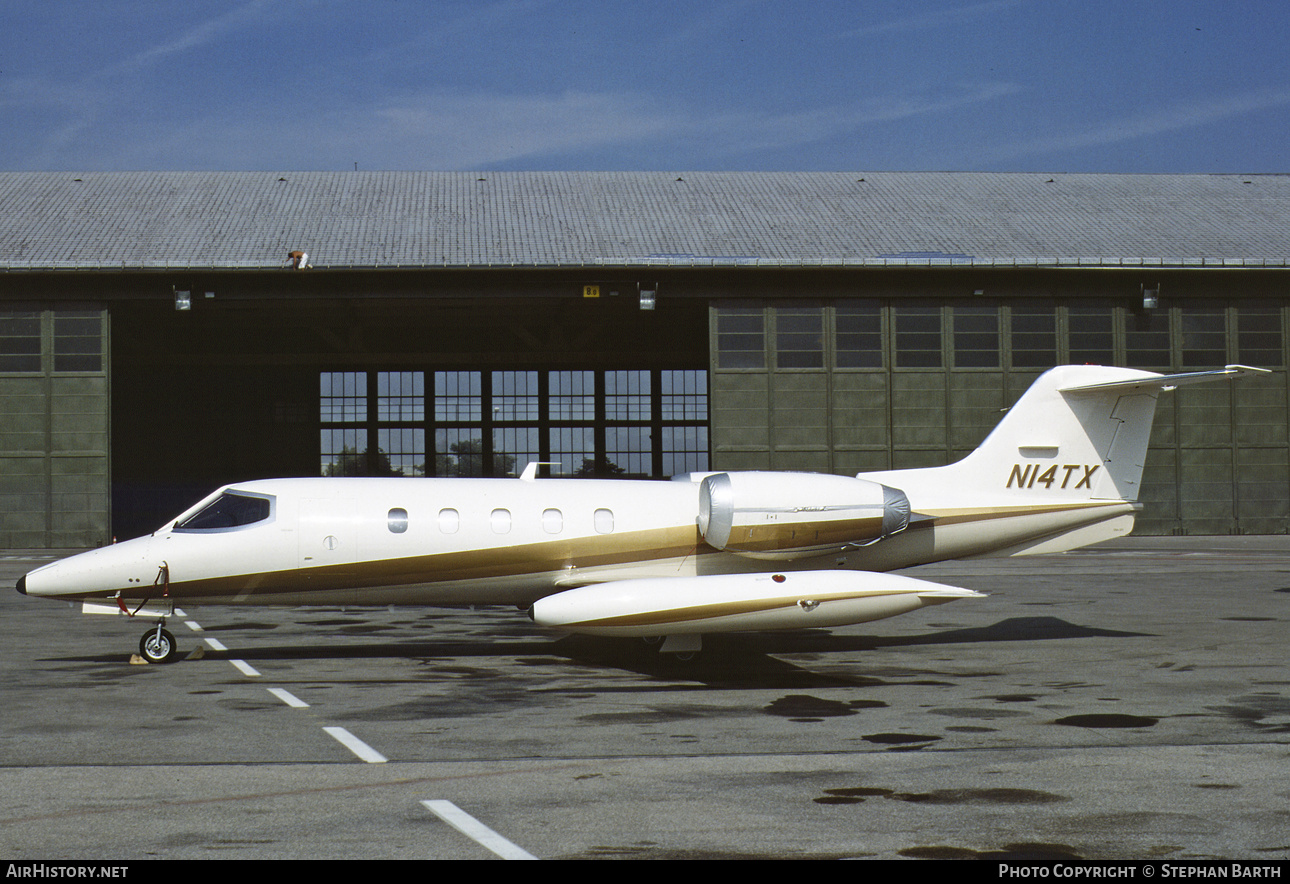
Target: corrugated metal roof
point(132, 220)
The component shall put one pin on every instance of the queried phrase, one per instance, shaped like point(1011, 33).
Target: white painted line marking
point(289, 698)
point(475, 830)
point(216, 644)
point(179, 612)
point(355, 745)
point(245, 668)
point(192, 624)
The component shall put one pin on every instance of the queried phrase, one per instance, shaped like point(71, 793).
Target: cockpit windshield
point(231, 510)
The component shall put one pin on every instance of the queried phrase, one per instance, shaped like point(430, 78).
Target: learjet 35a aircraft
point(704, 553)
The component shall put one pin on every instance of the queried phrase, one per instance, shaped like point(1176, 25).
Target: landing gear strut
point(158, 645)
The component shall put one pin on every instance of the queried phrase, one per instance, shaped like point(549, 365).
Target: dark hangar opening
point(239, 388)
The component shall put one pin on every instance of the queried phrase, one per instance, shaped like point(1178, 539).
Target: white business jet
point(704, 553)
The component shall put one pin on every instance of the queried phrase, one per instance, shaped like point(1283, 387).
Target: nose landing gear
point(158, 645)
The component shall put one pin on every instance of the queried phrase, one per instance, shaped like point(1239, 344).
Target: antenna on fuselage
point(530, 471)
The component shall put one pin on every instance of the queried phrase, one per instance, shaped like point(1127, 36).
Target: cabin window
point(501, 520)
point(397, 520)
point(604, 520)
point(552, 521)
point(449, 521)
point(229, 511)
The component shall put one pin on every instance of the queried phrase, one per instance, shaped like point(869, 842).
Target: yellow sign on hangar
point(591, 291)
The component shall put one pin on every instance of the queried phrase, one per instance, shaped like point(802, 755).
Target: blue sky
point(990, 85)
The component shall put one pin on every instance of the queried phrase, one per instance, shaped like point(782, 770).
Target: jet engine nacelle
point(788, 516)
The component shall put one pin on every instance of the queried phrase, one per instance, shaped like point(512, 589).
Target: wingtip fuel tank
point(730, 602)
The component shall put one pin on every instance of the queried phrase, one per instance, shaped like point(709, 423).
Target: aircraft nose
point(98, 572)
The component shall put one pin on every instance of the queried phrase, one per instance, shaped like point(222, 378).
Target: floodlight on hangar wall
point(648, 295)
point(1150, 296)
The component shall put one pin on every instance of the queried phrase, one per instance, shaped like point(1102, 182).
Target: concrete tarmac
point(1131, 701)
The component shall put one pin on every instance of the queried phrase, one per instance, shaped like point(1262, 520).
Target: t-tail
point(1081, 431)
point(1062, 469)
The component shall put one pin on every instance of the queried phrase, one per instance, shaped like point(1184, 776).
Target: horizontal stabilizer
point(1168, 381)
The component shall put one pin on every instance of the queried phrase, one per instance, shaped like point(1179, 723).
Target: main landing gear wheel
point(158, 646)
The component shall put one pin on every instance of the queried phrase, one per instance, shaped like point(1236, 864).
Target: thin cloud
point(485, 130)
point(1177, 118)
point(199, 35)
point(99, 96)
point(931, 20)
point(478, 131)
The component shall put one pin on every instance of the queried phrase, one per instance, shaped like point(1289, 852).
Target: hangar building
point(157, 341)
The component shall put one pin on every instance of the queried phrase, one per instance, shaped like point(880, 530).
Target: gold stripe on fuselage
point(545, 563)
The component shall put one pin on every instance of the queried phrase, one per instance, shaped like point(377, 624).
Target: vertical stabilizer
point(1080, 433)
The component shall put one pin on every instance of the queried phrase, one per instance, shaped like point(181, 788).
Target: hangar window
point(1146, 340)
point(1034, 337)
point(799, 337)
point(1259, 339)
point(574, 449)
point(685, 396)
point(858, 335)
point(344, 452)
point(741, 337)
point(1204, 337)
point(685, 450)
point(1091, 335)
point(976, 337)
point(615, 422)
point(514, 448)
point(400, 395)
point(627, 395)
point(516, 396)
point(459, 452)
point(629, 451)
point(344, 397)
point(230, 511)
point(401, 451)
point(573, 395)
point(918, 337)
point(20, 338)
point(458, 395)
point(78, 341)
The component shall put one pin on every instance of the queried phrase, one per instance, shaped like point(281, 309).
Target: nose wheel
point(158, 645)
